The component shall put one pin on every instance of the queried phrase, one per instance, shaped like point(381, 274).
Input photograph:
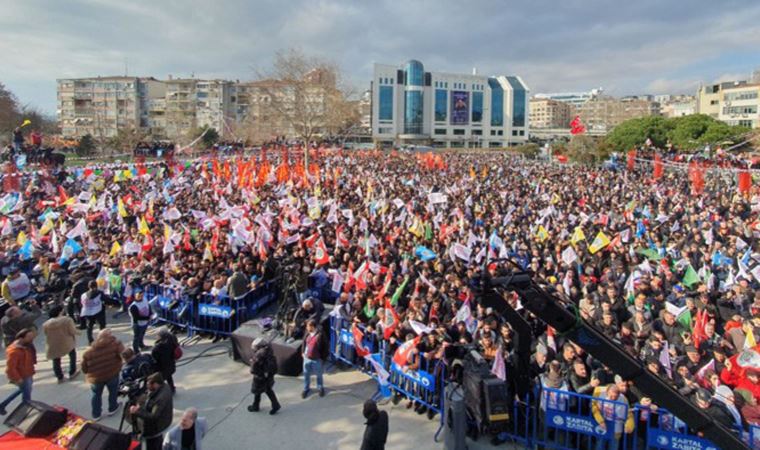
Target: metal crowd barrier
point(548, 418)
point(207, 313)
point(425, 386)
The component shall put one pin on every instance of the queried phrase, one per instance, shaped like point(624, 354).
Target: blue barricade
point(223, 315)
point(566, 420)
point(170, 306)
point(207, 313)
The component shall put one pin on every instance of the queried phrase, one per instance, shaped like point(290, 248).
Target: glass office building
point(412, 106)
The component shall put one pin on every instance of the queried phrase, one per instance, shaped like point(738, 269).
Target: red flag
point(577, 127)
point(745, 182)
point(311, 240)
point(361, 351)
point(391, 320)
point(341, 238)
point(320, 253)
point(186, 241)
point(401, 357)
point(631, 159)
point(147, 243)
point(658, 167)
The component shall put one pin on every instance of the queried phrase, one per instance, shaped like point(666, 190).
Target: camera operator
point(155, 415)
point(136, 366)
point(17, 319)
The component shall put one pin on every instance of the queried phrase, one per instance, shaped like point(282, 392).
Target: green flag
point(690, 277)
point(428, 232)
point(399, 291)
point(650, 253)
point(685, 319)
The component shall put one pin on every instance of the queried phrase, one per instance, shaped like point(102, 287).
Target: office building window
point(415, 73)
point(518, 102)
point(385, 130)
point(477, 132)
point(440, 131)
point(497, 103)
point(441, 97)
point(413, 112)
point(386, 103)
point(459, 132)
point(514, 132)
point(477, 107)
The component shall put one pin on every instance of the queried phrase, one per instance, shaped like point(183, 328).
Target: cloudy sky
point(627, 47)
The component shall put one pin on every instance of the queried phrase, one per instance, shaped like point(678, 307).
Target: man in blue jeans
point(21, 356)
point(139, 312)
point(102, 364)
point(312, 358)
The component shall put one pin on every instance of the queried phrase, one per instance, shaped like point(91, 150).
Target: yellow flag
point(26, 122)
point(555, 199)
point(93, 201)
point(47, 226)
point(142, 227)
point(417, 228)
point(126, 174)
point(600, 241)
point(749, 341)
point(69, 201)
point(115, 249)
point(577, 236)
point(207, 255)
point(21, 238)
point(120, 207)
point(542, 234)
point(167, 232)
point(116, 176)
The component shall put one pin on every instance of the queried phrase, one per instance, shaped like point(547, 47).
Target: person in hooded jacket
point(164, 354)
point(263, 368)
point(376, 432)
point(61, 338)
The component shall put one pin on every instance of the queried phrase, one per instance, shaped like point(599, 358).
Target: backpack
point(177, 352)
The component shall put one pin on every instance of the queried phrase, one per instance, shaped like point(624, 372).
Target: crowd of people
point(402, 239)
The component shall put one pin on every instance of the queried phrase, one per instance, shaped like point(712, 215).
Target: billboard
point(460, 107)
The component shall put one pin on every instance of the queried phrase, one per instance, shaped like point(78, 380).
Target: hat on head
point(703, 395)
point(724, 392)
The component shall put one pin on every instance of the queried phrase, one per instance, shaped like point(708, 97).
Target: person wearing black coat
point(263, 368)
point(163, 353)
point(376, 432)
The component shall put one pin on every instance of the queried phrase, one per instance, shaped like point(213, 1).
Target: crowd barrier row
point(207, 313)
point(548, 418)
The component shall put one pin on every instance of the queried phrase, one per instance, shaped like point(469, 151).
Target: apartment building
point(604, 113)
point(548, 113)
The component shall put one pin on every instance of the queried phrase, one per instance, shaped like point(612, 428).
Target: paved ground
point(220, 389)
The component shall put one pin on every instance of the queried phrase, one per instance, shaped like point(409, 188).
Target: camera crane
point(564, 318)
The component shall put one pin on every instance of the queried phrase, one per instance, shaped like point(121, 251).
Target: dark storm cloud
point(626, 47)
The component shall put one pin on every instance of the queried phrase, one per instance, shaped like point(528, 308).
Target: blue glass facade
point(415, 73)
point(386, 103)
point(441, 97)
point(413, 112)
point(497, 103)
point(518, 102)
point(477, 107)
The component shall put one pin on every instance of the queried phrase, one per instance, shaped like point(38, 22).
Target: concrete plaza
point(220, 388)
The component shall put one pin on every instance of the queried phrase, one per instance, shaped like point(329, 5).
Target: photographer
point(136, 366)
point(155, 415)
point(17, 319)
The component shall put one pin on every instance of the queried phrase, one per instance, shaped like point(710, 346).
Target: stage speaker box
point(497, 400)
point(36, 419)
point(94, 436)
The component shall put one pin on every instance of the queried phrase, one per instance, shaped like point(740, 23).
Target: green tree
point(210, 138)
point(86, 146)
point(582, 149)
point(634, 132)
point(529, 150)
point(10, 116)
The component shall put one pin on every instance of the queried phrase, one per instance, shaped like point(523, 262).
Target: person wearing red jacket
point(21, 356)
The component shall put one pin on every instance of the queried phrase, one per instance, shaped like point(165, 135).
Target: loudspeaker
point(36, 419)
point(94, 436)
point(497, 400)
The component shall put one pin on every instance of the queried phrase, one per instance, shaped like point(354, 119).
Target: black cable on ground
point(228, 351)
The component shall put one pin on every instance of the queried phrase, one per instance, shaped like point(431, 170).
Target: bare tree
point(9, 110)
point(302, 96)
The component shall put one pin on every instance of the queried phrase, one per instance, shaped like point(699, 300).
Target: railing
point(207, 313)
